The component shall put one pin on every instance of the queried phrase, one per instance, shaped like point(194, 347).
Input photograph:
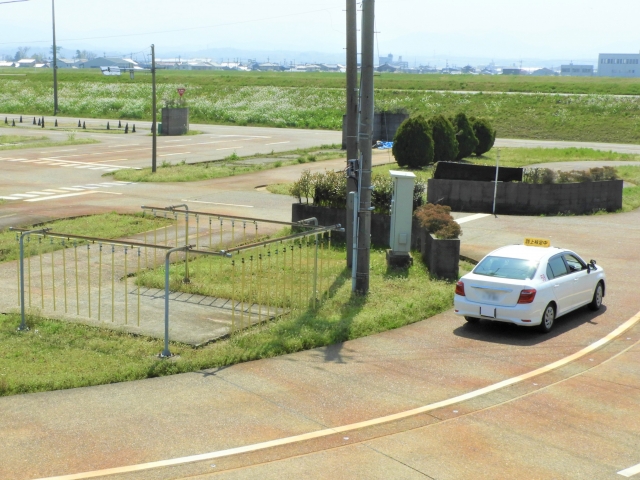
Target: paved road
point(580, 420)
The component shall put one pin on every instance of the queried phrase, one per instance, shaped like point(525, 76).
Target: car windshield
point(502, 267)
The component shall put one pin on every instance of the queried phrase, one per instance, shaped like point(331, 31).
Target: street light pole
point(55, 60)
point(351, 121)
point(154, 128)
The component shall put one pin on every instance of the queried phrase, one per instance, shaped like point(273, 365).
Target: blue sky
point(417, 29)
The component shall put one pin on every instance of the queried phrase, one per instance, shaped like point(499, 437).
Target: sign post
point(181, 91)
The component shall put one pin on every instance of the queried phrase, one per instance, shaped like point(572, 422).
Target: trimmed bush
point(445, 145)
point(467, 140)
point(437, 219)
point(485, 134)
point(413, 143)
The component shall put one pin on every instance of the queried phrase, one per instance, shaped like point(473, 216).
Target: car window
point(575, 265)
point(557, 266)
point(503, 267)
point(549, 272)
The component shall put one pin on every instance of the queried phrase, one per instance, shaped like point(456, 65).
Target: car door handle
point(575, 279)
point(556, 286)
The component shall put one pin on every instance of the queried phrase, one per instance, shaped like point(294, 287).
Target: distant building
point(388, 60)
point(619, 65)
point(125, 63)
point(26, 62)
point(5, 64)
point(544, 72)
point(386, 68)
point(513, 71)
point(468, 69)
point(572, 70)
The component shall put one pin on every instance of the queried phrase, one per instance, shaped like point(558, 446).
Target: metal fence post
point(166, 353)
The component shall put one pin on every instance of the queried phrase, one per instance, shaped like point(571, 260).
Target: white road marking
point(61, 196)
point(181, 140)
point(53, 190)
point(229, 148)
point(214, 203)
point(471, 218)
point(57, 151)
point(172, 154)
point(10, 215)
point(276, 143)
point(72, 189)
point(10, 198)
point(630, 472)
point(25, 195)
point(41, 193)
point(31, 161)
point(359, 425)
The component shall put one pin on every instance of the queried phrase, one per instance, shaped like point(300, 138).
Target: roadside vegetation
point(230, 166)
point(106, 225)
point(14, 142)
point(317, 100)
point(67, 355)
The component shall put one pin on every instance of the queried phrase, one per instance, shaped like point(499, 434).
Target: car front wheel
point(596, 302)
point(548, 318)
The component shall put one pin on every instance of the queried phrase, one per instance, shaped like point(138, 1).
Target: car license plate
point(488, 312)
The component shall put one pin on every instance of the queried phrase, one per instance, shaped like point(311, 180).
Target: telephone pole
point(352, 112)
point(154, 129)
point(55, 60)
point(365, 139)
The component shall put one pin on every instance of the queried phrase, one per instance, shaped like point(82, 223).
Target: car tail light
point(527, 295)
point(460, 289)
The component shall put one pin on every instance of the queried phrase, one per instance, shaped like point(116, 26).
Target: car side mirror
point(591, 265)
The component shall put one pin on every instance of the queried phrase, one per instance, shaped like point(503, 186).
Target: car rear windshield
point(503, 267)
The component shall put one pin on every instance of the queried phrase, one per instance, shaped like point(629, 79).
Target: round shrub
point(437, 220)
point(445, 145)
point(467, 140)
point(485, 134)
point(413, 144)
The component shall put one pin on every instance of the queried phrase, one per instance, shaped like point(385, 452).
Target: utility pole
point(365, 138)
point(55, 60)
point(352, 113)
point(154, 129)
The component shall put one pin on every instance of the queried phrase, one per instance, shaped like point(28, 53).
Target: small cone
point(79, 124)
point(133, 130)
point(56, 122)
point(119, 124)
point(39, 122)
point(42, 122)
point(20, 118)
point(34, 120)
point(126, 128)
point(13, 122)
point(84, 125)
point(6, 120)
point(108, 128)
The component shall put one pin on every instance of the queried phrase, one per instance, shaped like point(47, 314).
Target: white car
point(529, 286)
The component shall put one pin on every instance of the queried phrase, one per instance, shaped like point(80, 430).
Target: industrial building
point(619, 65)
point(572, 70)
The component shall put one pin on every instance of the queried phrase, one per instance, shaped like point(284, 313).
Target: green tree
point(21, 53)
point(445, 146)
point(413, 143)
point(485, 133)
point(467, 140)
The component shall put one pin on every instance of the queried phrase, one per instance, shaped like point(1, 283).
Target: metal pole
point(166, 353)
point(365, 137)
point(495, 187)
point(23, 323)
point(351, 110)
point(55, 60)
point(154, 129)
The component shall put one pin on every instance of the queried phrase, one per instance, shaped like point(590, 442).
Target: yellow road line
point(359, 425)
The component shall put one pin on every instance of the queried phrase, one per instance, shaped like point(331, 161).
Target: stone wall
point(175, 121)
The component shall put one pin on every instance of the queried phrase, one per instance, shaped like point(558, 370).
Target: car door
point(562, 283)
point(583, 281)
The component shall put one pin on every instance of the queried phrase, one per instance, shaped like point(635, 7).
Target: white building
point(572, 70)
point(619, 65)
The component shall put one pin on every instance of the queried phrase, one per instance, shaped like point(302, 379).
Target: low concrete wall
point(175, 121)
point(441, 256)
point(526, 199)
point(385, 126)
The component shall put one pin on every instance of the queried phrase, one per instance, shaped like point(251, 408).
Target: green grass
point(230, 166)
point(54, 355)
point(279, 188)
point(107, 225)
point(317, 100)
point(14, 142)
point(630, 195)
point(522, 157)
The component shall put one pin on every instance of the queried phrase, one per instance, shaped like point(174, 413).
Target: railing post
point(166, 353)
point(23, 323)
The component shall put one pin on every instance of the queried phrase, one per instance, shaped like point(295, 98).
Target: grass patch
point(230, 166)
point(630, 195)
point(14, 142)
point(56, 355)
point(522, 157)
point(107, 225)
point(279, 188)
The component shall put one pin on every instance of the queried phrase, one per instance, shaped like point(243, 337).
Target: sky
point(538, 32)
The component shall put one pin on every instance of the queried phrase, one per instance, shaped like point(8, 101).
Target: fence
point(215, 291)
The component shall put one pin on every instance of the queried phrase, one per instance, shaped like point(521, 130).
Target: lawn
point(55, 355)
point(317, 100)
point(13, 142)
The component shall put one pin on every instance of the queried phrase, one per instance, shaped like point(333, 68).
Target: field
point(317, 100)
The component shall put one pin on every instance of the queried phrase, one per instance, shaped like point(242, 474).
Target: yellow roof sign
point(537, 242)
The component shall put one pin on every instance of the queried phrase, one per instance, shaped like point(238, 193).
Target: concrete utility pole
point(154, 128)
point(352, 111)
point(55, 60)
point(365, 139)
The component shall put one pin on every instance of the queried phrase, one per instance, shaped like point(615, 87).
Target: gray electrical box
point(401, 213)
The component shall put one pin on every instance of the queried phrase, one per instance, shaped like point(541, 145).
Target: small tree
point(467, 140)
point(445, 145)
point(413, 143)
point(485, 134)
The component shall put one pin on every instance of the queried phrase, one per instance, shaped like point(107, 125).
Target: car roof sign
point(537, 242)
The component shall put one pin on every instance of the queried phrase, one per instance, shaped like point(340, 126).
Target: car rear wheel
point(472, 319)
point(548, 317)
point(596, 302)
